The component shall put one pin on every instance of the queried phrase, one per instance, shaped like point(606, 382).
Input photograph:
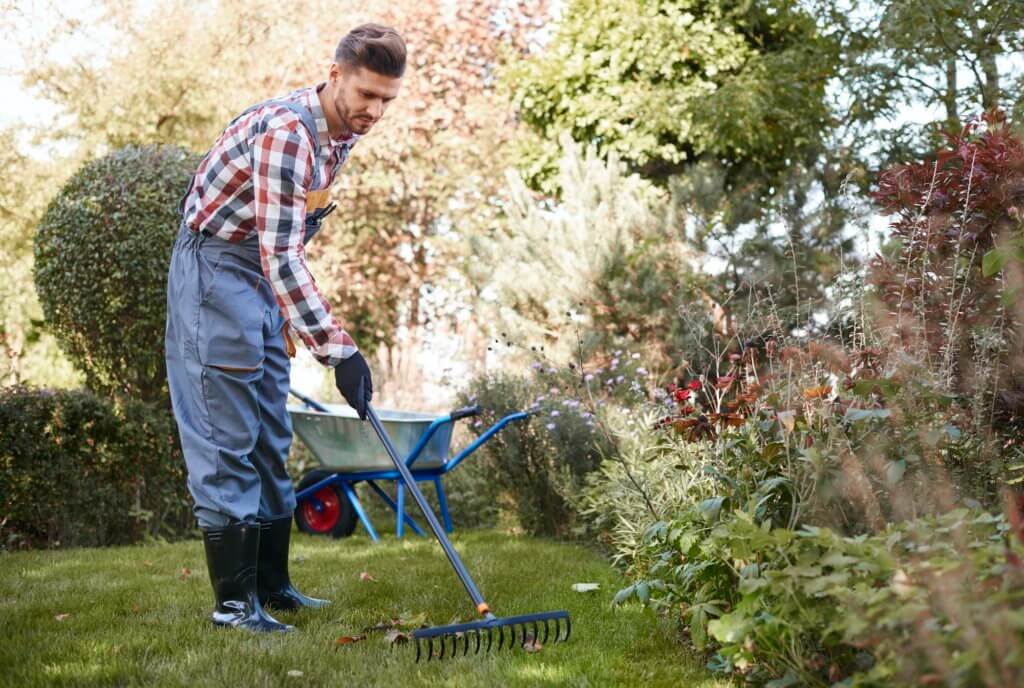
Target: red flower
point(682, 395)
point(693, 385)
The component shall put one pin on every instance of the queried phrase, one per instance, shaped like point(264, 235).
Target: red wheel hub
point(324, 519)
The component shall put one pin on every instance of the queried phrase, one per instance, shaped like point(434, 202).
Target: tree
point(432, 166)
point(667, 83)
point(27, 352)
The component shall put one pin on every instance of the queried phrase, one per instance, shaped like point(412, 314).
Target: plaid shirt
point(258, 178)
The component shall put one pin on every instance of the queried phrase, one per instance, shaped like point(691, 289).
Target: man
point(237, 284)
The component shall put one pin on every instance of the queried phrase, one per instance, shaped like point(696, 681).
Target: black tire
point(338, 519)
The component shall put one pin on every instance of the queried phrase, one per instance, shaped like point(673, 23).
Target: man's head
point(364, 78)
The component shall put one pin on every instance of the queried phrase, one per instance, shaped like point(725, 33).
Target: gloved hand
point(352, 376)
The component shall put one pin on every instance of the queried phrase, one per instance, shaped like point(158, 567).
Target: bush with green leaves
point(80, 470)
point(101, 258)
point(667, 82)
point(540, 465)
point(941, 597)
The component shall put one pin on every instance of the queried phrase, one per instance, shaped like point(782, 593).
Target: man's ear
point(335, 73)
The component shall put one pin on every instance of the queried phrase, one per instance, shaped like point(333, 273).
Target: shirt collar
point(321, 121)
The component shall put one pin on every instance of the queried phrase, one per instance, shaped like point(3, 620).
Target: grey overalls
point(228, 370)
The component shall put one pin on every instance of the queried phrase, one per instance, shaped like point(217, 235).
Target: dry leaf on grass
point(185, 573)
point(396, 637)
point(148, 564)
point(399, 622)
point(348, 640)
point(294, 673)
point(367, 578)
point(61, 617)
point(531, 645)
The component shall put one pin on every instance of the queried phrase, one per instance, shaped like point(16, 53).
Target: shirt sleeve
point(282, 170)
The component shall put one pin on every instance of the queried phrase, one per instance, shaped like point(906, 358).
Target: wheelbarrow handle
point(466, 412)
point(315, 405)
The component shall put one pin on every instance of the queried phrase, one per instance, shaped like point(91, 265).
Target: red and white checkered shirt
point(256, 179)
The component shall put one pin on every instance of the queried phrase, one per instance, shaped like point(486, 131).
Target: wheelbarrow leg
point(443, 501)
point(394, 507)
point(399, 521)
point(354, 500)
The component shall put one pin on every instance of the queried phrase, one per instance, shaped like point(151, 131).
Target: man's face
point(361, 96)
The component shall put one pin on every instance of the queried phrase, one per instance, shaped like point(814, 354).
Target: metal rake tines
point(444, 641)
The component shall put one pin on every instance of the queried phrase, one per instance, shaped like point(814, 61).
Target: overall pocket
point(231, 317)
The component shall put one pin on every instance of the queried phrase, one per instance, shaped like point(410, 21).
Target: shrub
point(927, 601)
point(79, 470)
point(952, 273)
point(101, 258)
point(540, 465)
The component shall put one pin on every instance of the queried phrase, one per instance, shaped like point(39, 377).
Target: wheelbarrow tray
point(344, 444)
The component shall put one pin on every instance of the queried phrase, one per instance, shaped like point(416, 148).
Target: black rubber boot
point(231, 557)
point(275, 587)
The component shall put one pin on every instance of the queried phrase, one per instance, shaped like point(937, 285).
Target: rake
point(490, 625)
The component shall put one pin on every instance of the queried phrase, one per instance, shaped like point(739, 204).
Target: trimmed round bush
point(101, 258)
point(80, 470)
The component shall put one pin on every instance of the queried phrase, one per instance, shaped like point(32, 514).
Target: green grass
point(134, 619)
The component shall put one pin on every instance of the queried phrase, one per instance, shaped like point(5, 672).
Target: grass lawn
point(134, 616)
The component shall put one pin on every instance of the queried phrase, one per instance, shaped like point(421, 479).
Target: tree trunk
point(990, 94)
point(949, 98)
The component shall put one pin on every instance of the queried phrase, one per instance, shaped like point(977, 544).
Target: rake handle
point(428, 513)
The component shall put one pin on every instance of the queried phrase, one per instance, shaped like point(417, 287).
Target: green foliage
point(78, 470)
point(539, 465)
point(664, 83)
point(101, 257)
point(613, 261)
point(936, 597)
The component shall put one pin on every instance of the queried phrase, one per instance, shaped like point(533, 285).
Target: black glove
point(352, 376)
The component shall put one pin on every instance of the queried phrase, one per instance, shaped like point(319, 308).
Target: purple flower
point(641, 371)
point(550, 426)
point(588, 377)
point(555, 413)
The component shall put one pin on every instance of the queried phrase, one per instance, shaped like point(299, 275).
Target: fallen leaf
point(349, 639)
point(148, 564)
point(136, 608)
point(396, 637)
point(788, 420)
point(298, 559)
point(185, 573)
point(530, 644)
point(585, 587)
point(295, 673)
point(818, 392)
point(367, 578)
point(61, 617)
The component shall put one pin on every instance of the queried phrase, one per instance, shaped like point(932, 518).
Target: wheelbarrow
point(349, 452)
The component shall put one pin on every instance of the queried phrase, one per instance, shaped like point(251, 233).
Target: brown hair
point(374, 46)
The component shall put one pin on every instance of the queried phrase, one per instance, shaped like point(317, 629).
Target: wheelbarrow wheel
point(336, 517)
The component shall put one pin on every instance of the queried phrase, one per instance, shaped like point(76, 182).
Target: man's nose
point(377, 109)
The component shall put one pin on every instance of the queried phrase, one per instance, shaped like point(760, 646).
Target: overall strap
point(308, 121)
